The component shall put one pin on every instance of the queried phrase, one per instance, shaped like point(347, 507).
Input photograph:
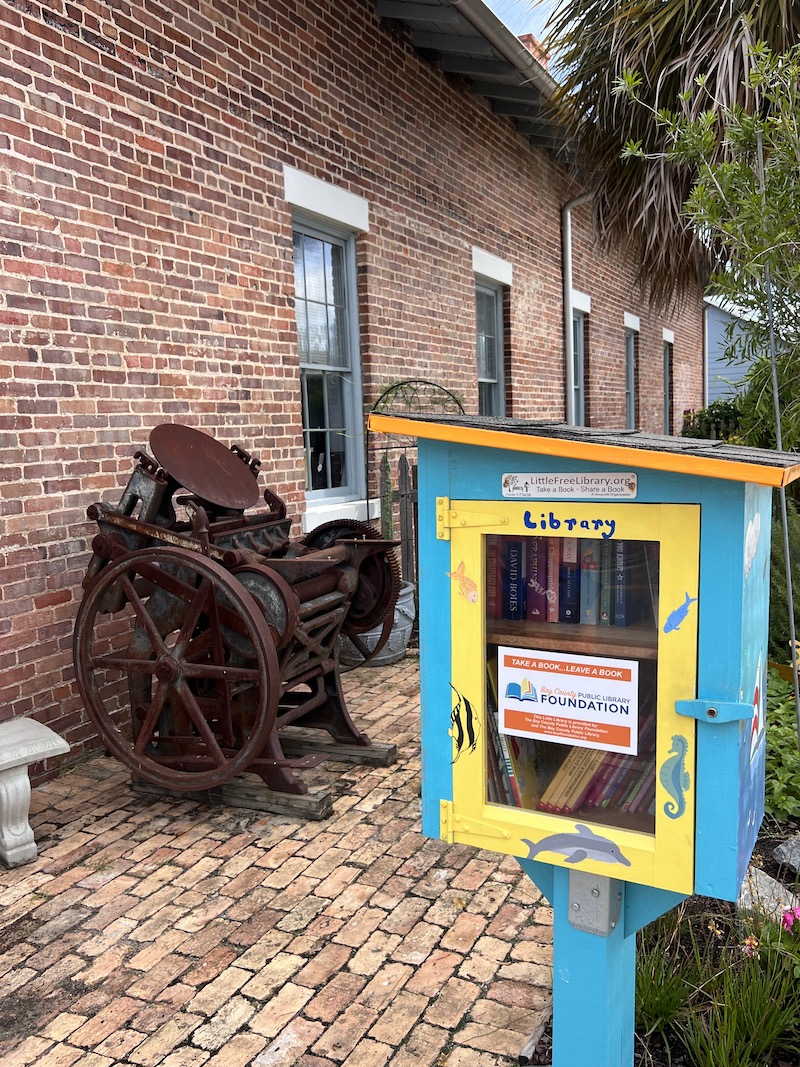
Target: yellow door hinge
point(446, 820)
point(477, 828)
point(448, 518)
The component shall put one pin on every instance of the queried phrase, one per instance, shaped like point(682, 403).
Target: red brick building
point(252, 218)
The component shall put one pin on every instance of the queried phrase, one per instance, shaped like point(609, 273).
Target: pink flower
point(789, 917)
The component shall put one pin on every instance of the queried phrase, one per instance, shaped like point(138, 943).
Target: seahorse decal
point(675, 778)
point(464, 725)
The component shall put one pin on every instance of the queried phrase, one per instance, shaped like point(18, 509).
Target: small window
point(668, 398)
point(579, 324)
point(490, 341)
point(327, 340)
point(631, 361)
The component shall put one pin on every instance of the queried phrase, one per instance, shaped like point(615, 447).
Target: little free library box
point(593, 631)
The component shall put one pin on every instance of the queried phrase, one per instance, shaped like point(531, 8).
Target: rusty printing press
point(203, 643)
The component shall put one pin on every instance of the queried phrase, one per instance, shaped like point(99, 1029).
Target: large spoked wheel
point(183, 682)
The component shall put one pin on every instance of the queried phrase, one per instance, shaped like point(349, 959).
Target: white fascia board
point(316, 197)
point(491, 267)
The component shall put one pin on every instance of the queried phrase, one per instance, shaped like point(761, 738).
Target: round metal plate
point(204, 466)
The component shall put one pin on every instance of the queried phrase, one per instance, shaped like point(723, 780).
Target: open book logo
point(521, 691)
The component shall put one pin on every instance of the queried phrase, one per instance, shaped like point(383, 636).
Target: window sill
point(317, 513)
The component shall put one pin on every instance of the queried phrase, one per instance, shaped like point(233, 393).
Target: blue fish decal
point(675, 778)
point(583, 845)
point(676, 617)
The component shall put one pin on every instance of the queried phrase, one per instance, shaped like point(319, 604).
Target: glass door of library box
point(574, 632)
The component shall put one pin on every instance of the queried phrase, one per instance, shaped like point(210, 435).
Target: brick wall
point(147, 272)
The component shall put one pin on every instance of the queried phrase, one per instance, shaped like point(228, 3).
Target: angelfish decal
point(583, 845)
point(675, 778)
point(464, 725)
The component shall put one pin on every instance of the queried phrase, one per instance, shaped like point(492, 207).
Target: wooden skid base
point(249, 793)
point(377, 754)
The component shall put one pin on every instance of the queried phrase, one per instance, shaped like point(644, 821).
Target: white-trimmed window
point(490, 348)
point(579, 324)
point(493, 276)
point(669, 341)
point(327, 342)
point(325, 223)
point(631, 369)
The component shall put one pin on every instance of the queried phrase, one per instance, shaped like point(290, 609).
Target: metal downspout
point(566, 278)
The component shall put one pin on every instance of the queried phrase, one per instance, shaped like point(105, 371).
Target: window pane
point(314, 260)
point(300, 315)
point(299, 269)
point(337, 331)
point(334, 272)
point(334, 388)
point(314, 408)
point(338, 459)
point(487, 399)
point(317, 460)
point(317, 333)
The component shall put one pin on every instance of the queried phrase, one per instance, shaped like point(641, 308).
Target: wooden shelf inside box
point(631, 642)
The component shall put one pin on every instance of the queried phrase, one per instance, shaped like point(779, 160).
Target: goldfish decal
point(464, 725)
point(676, 617)
point(675, 778)
point(466, 587)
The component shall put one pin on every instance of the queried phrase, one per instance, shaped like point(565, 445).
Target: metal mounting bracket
point(595, 902)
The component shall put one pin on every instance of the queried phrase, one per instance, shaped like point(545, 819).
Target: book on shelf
point(492, 584)
point(513, 583)
point(590, 552)
point(622, 605)
point(508, 778)
point(536, 579)
point(569, 781)
point(553, 567)
point(569, 581)
point(522, 751)
point(606, 583)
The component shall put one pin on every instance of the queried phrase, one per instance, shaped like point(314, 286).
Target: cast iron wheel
point(171, 698)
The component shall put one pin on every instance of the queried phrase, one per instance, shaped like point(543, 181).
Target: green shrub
point(782, 799)
point(778, 647)
point(717, 989)
point(718, 422)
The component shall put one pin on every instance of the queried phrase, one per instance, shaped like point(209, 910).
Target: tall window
point(324, 272)
point(579, 366)
point(667, 387)
point(631, 344)
point(490, 344)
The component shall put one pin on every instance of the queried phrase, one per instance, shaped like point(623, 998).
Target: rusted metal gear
point(378, 576)
point(181, 683)
point(378, 582)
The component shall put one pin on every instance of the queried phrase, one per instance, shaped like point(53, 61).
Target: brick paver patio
point(153, 931)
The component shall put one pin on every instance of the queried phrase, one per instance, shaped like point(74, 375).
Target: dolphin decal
point(583, 845)
point(676, 617)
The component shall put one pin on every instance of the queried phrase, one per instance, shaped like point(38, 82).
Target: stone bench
point(22, 742)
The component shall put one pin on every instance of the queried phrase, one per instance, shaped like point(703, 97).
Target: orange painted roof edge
point(592, 451)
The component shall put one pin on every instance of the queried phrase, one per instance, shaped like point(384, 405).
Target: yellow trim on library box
point(759, 466)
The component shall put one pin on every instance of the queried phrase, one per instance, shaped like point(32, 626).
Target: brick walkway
point(168, 932)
